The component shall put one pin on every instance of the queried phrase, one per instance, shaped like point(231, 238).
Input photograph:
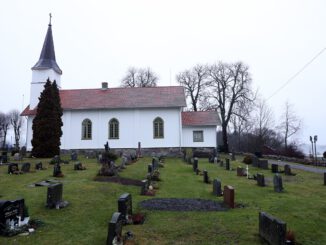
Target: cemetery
point(174, 205)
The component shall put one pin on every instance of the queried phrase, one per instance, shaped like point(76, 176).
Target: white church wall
point(39, 78)
point(209, 136)
point(135, 125)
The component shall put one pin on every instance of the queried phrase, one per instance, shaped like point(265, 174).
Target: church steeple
point(47, 57)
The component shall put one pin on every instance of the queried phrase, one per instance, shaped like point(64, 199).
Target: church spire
point(47, 57)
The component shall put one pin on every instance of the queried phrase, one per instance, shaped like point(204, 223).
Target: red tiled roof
point(117, 98)
point(200, 118)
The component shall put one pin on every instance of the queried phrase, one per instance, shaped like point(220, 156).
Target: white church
point(122, 116)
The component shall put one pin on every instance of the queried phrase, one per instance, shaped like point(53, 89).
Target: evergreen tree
point(47, 123)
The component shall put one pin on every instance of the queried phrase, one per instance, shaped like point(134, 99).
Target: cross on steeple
point(50, 18)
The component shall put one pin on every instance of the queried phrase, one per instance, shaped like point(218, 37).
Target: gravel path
point(182, 204)
point(297, 166)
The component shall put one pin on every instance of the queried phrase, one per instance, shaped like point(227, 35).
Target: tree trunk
point(225, 138)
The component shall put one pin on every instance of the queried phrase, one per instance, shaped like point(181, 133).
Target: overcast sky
point(97, 41)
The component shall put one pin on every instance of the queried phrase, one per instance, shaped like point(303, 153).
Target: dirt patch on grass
point(182, 204)
point(118, 180)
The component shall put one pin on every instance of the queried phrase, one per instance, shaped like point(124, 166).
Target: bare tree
point(194, 81)
point(4, 126)
point(139, 78)
point(264, 120)
point(290, 123)
point(16, 122)
point(230, 85)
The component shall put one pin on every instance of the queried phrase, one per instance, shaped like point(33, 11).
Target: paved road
point(301, 167)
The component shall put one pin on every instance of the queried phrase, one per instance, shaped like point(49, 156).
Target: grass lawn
point(85, 221)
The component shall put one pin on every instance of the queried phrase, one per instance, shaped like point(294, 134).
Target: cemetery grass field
point(302, 205)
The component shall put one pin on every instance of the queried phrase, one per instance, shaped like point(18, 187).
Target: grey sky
point(97, 41)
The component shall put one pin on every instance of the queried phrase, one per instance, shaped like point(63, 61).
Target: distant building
point(123, 116)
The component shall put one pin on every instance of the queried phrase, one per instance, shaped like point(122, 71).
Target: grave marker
point(149, 168)
point(274, 168)
point(229, 196)
point(13, 168)
point(227, 163)
point(26, 167)
point(115, 229)
point(4, 157)
point(11, 215)
point(287, 169)
point(217, 190)
point(54, 196)
point(195, 164)
point(278, 184)
point(125, 206)
point(324, 178)
point(39, 166)
point(57, 170)
point(144, 187)
point(271, 229)
point(260, 179)
point(74, 156)
point(206, 178)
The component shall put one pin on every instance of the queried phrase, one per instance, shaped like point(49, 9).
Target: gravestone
point(260, 179)
point(39, 166)
point(74, 156)
point(155, 163)
point(195, 164)
point(79, 166)
point(26, 167)
point(4, 157)
point(125, 206)
point(13, 168)
point(324, 178)
point(54, 196)
point(144, 187)
point(205, 177)
point(124, 161)
point(263, 164)
point(23, 151)
point(271, 229)
point(227, 163)
point(149, 168)
point(287, 169)
point(115, 230)
point(228, 194)
point(17, 157)
point(274, 168)
point(255, 161)
point(217, 189)
point(215, 160)
point(240, 171)
point(278, 184)
point(57, 170)
point(11, 215)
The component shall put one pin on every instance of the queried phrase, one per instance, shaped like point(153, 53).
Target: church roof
point(119, 98)
point(200, 118)
point(47, 57)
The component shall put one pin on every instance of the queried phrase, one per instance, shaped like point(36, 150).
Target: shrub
point(247, 159)
point(324, 154)
point(110, 155)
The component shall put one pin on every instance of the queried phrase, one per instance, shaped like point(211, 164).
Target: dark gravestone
point(54, 196)
point(325, 178)
point(240, 171)
point(195, 164)
point(79, 166)
point(287, 169)
point(115, 229)
point(255, 161)
point(206, 178)
point(227, 163)
point(39, 166)
point(260, 179)
point(74, 156)
point(26, 167)
point(274, 168)
point(125, 206)
point(144, 187)
point(149, 168)
point(10, 213)
point(4, 157)
point(217, 189)
point(229, 196)
point(278, 184)
point(13, 168)
point(57, 170)
point(271, 229)
point(263, 164)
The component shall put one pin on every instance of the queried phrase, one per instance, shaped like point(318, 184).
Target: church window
point(198, 136)
point(158, 128)
point(114, 129)
point(86, 129)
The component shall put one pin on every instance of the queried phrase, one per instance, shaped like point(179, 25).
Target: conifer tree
point(47, 123)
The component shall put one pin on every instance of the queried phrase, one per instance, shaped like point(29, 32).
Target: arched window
point(114, 129)
point(86, 129)
point(158, 127)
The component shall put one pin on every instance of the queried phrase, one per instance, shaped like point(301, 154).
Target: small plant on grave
point(110, 155)
point(247, 159)
point(290, 236)
point(155, 175)
point(138, 219)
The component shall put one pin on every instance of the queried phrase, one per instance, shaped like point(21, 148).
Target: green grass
point(85, 221)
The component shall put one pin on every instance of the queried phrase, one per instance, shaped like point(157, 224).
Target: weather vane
point(50, 18)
